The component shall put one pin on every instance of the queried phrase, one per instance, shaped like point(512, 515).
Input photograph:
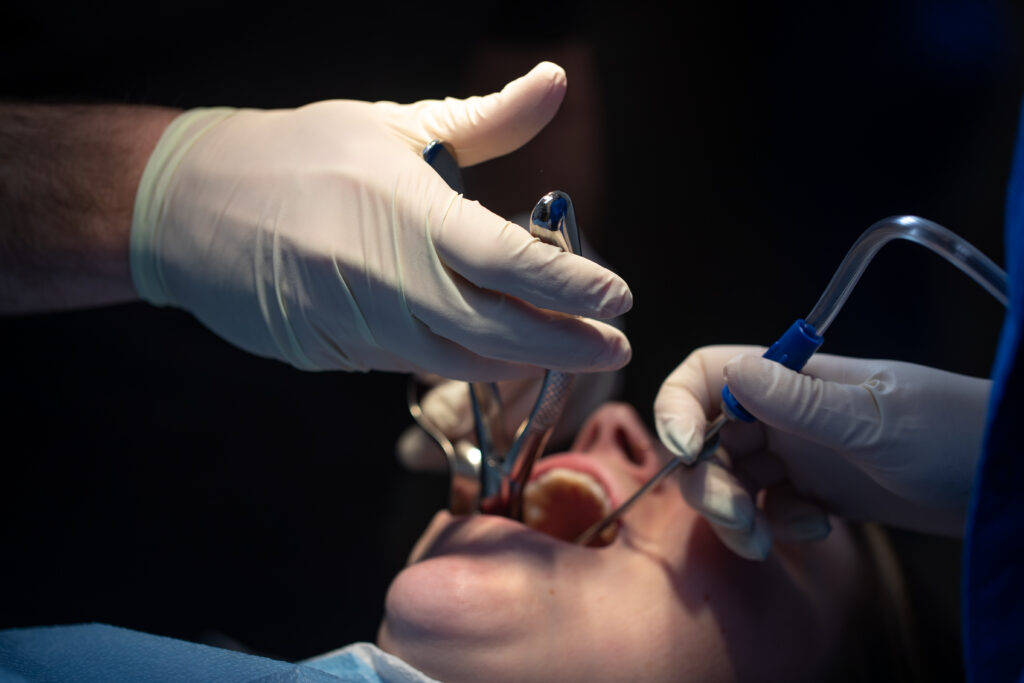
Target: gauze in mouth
point(564, 503)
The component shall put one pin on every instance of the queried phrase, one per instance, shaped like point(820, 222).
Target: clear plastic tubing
point(946, 244)
point(799, 343)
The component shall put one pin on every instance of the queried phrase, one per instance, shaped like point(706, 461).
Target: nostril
point(636, 453)
point(616, 429)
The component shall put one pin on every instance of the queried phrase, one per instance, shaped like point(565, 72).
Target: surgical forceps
point(490, 477)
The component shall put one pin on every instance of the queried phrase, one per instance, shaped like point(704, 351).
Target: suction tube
point(943, 242)
point(805, 336)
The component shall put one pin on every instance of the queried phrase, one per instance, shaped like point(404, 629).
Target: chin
point(446, 616)
point(467, 607)
point(465, 578)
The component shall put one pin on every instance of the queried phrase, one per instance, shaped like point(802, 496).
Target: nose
point(617, 431)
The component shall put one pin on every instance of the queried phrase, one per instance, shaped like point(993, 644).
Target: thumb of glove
point(482, 128)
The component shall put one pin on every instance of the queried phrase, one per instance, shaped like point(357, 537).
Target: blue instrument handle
point(793, 349)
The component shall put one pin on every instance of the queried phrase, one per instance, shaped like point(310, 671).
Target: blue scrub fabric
point(99, 653)
point(993, 576)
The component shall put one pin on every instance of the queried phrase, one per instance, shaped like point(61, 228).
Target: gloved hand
point(874, 440)
point(318, 236)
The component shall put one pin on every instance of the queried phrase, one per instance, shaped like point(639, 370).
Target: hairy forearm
point(68, 176)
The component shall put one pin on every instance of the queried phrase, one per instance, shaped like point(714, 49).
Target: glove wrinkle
point(289, 345)
point(357, 316)
point(396, 247)
point(829, 413)
point(877, 387)
point(269, 292)
point(150, 199)
point(876, 440)
point(318, 236)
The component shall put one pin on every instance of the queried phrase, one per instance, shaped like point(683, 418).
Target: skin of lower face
point(486, 598)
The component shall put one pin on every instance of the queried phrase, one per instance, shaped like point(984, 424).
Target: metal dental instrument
point(553, 222)
point(710, 444)
point(804, 337)
point(463, 459)
point(490, 477)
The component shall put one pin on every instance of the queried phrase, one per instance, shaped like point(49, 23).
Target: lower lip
point(502, 528)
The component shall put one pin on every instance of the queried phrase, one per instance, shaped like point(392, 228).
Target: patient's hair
point(879, 641)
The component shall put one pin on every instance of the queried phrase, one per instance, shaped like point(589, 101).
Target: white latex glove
point(865, 439)
point(319, 236)
point(448, 406)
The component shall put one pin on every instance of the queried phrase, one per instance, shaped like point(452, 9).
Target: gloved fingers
point(689, 395)
point(743, 440)
point(448, 407)
point(792, 517)
point(758, 470)
point(498, 255)
point(429, 353)
point(482, 128)
point(486, 324)
point(430, 379)
point(418, 452)
point(714, 492)
point(835, 415)
point(693, 391)
point(719, 496)
point(750, 543)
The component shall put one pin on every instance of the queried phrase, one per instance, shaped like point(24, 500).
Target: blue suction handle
point(792, 349)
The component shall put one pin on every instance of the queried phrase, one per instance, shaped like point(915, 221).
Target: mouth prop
point(564, 503)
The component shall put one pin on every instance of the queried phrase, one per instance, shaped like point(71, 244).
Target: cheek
point(633, 624)
point(777, 617)
point(662, 526)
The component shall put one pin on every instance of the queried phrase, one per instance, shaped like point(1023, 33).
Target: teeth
point(564, 503)
point(561, 478)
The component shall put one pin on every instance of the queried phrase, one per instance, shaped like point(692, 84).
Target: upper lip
point(586, 465)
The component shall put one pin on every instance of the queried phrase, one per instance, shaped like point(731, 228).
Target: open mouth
point(564, 502)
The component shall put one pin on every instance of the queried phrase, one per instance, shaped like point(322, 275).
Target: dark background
point(722, 159)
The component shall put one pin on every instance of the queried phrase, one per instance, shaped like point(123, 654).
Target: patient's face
point(487, 598)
